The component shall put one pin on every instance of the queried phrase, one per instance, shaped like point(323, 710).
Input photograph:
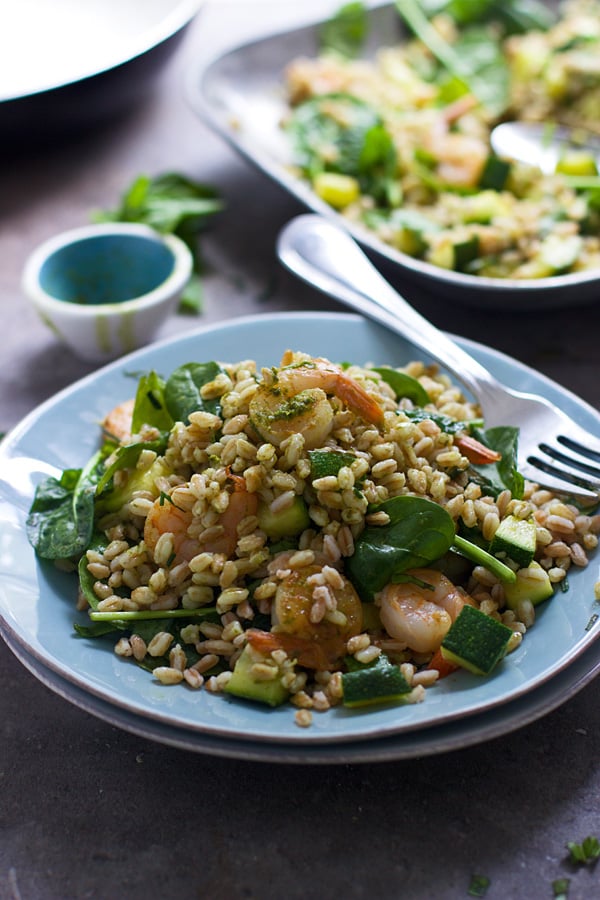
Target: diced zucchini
point(137, 480)
point(451, 253)
point(285, 523)
point(515, 538)
point(409, 240)
point(475, 641)
point(532, 583)
point(483, 207)
point(577, 162)
point(382, 682)
point(559, 254)
point(495, 173)
point(336, 189)
point(245, 682)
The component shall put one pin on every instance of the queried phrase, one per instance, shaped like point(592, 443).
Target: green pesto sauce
point(290, 409)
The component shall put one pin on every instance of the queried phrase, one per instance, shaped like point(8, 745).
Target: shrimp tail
point(308, 653)
point(354, 396)
point(475, 451)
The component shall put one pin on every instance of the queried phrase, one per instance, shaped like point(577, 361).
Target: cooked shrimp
point(117, 424)
point(165, 518)
point(301, 625)
point(421, 616)
point(296, 402)
point(460, 157)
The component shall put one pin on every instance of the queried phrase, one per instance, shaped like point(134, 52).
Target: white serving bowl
point(106, 289)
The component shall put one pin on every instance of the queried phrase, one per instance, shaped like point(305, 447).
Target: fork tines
point(576, 471)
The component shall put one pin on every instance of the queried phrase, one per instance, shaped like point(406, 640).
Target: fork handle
point(328, 258)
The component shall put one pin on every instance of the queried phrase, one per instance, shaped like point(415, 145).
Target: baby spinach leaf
point(60, 520)
point(444, 423)
point(150, 408)
point(183, 390)
point(419, 532)
point(346, 30)
point(404, 385)
point(503, 474)
point(338, 121)
point(97, 542)
point(377, 167)
point(98, 629)
point(475, 60)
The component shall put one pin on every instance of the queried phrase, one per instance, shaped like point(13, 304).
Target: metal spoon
point(539, 144)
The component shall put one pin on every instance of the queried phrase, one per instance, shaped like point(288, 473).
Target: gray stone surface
point(89, 810)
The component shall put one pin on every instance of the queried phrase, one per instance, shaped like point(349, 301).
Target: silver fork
point(554, 451)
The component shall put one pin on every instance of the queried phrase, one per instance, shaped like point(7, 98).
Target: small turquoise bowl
point(105, 290)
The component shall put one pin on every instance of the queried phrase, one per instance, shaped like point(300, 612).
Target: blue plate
point(37, 602)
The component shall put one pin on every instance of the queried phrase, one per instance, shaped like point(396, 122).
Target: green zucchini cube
point(475, 641)
point(382, 682)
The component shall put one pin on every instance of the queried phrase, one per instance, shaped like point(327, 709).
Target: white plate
point(37, 602)
point(44, 46)
point(240, 94)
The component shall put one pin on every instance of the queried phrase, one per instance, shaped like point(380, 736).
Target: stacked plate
point(37, 602)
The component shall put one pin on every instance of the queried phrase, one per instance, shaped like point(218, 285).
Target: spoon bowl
point(542, 145)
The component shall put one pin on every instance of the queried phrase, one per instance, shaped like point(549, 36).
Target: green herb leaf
point(404, 385)
point(419, 532)
point(586, 852)
point(476, 60)
point(346, 30)
point(60, 521)
point(183, 390)
point(172, 204)
point(560, 888)
point(478, 886)
point(328, 462)
point(444, 423)
point(333, 120)
point(503, 474)
point(150, 408)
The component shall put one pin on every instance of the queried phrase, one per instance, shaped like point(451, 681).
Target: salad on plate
point(314, 533)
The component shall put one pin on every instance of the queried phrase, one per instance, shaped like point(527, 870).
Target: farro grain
point(168, 675)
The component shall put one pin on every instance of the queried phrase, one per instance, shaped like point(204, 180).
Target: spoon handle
point(327, 257)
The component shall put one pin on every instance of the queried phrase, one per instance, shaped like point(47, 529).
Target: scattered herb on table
point(586, 853)
point(171, 204)
point(560, 888)
point(478, 886)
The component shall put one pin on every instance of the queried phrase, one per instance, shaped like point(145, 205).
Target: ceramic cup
point(106, 289)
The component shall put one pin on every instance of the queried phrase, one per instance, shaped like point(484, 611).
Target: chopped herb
point(478, 886)
point(346, 30)
point(560, 888)
point(592, 622)
point(586, 852)
point(171, 204)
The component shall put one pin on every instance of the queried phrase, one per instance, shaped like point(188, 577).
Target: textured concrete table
point(90, 810)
